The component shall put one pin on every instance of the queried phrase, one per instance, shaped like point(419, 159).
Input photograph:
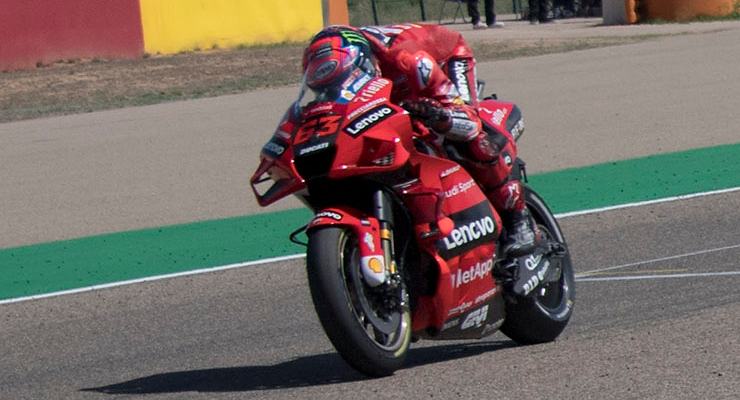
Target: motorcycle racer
point(433, 71)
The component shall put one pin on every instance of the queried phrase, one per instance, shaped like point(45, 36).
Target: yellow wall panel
point(171, 26)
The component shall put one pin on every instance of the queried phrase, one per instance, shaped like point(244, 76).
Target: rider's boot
point(522, 234)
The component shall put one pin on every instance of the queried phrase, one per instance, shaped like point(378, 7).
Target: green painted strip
point(64, 265)
point(641, 179)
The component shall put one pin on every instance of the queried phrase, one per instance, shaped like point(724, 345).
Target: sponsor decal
point(361, 109)
point(475, 318)
point(498, 116)
point(360, 82)
point(449, 171)
point(325, 70)
point(273, 148)
point(346, 96)
point(311, 149)
point(537, 278)
point(328, 214)
point(470, 232)
point(354, 37)
point(459, 309)
point(463, 126)
point(532, 261)
point(451, 324)
point(459, 114)
point(473, 226)
point(459, 188)
point(485, 296)
point(375, 264)
point(368, 239)
point(423, 71)
point(372, 89)
point(368, 119)
point(321, 51)
point(517, 129)
point(513, 196)
point(319, 109)
point(373, 270)
point(459, 71)
point(466, 275)
point(507, 159)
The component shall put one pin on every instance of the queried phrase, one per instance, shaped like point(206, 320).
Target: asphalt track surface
point(659, 319)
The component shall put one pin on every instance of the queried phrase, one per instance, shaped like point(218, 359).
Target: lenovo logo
point(470, 232)
point(368, 119)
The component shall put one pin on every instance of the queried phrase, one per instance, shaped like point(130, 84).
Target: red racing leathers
point(432, 62)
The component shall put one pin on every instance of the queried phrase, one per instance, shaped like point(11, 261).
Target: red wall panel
point(50, 30)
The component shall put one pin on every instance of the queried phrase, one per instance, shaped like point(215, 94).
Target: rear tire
point(371, 339)
point(543, 315)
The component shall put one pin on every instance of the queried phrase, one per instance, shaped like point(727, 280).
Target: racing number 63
point(322, 125)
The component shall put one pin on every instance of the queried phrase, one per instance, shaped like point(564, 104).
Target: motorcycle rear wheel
point(369, 337)
point(544, 314)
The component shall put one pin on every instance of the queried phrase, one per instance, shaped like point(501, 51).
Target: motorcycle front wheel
point(371, 337)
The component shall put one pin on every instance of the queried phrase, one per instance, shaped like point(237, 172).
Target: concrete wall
point(175, 25)
point(33, 31)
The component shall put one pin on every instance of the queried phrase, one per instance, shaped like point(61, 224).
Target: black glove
point(431, 112)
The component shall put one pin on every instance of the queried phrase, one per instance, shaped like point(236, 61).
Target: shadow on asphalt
point(322, 369)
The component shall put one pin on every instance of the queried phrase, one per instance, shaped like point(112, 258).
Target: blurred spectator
point(565, 8)
point(488, 8)
point(539, 12)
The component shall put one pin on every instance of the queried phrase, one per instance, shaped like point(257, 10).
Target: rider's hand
point(431, 112)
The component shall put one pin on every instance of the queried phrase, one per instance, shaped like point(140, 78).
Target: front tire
point(368, 336)
point(543, 315)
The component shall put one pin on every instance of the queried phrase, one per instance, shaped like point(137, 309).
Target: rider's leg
point(491, 159)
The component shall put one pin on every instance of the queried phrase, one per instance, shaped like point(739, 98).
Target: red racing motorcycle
point(403, 242)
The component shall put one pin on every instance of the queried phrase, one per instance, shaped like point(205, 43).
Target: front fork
point(383, 211)
point(396, 295)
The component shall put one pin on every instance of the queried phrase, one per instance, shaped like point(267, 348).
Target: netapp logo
point(459, 69)
point(368, 119)
point(478, 271)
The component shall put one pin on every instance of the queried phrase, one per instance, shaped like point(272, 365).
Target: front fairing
point(335, 133)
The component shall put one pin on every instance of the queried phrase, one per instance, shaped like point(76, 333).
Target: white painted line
point(645, 203)
point(152, 278)
point(655, 260)
point(667, 276)
point(296, 256)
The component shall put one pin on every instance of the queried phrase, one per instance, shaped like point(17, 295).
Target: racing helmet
point(334, 54)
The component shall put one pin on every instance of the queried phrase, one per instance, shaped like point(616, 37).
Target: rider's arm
point(456, 120)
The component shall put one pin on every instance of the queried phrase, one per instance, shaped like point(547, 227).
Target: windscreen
point(341, 93)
